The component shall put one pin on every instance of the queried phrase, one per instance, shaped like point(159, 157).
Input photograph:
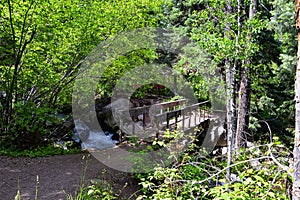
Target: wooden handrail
point(180, 114)
point(186, 109)
point(135, 112)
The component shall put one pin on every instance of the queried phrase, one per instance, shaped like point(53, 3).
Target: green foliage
point(151, 89)
point(121, 65)
point(28, 125)
point(258, 176)
point(41, 151)
point(95, 191)
point(257, 184)
point(273, 78)
point(263, 179)
point(42, 45)
point(271, 50)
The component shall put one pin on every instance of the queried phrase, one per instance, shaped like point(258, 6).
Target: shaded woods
point(251, 45)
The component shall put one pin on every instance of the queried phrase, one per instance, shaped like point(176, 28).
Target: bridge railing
point(168, 115)
point(184, 118)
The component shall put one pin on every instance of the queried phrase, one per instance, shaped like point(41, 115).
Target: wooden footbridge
point(151, 121)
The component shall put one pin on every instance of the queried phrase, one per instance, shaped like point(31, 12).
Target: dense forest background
point(254, 46)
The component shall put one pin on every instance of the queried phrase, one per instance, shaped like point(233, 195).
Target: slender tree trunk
point(245, 93)
point(296, 173)
point(243, 109)
point(230, 106)
point(237, 46)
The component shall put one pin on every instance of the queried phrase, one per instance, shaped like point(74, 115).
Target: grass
point(96, 191)
point(18, 196)
point(42, 151)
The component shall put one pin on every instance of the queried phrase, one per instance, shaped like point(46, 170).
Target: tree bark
point(243, 109)
point(230, 105)
point(245, 92)
point(296, 163)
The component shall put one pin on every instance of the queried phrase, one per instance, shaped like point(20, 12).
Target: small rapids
point(98, 141)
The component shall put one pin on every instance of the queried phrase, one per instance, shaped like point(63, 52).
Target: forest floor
point(58, 176)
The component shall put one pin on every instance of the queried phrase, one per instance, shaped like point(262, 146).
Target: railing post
point(183, 118)
point(167, 120)
point(133, 126)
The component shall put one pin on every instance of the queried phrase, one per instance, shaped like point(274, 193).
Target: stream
point(98, 141)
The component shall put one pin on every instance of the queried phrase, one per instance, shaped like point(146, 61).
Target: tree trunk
point(296, 163)
point(230, 105)
point(19, 48)
point(245, 93)
point(243, 109)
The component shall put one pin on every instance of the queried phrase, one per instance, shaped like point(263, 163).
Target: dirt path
point(58, 175)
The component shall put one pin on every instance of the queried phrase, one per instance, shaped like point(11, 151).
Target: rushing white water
point(98, 140)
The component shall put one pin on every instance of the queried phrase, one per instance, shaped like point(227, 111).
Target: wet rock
point(111, 114)
point(64, 130)
point(81, 129)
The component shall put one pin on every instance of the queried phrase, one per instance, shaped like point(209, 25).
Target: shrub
point(198, 176)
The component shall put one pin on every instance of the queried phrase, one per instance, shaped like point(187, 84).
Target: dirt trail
point(58, 175)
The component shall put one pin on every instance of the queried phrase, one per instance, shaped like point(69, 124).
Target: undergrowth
point(259, 172)
point(42, 151)
point(98, 189)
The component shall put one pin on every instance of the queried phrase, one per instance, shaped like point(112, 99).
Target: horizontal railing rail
point(168, 114)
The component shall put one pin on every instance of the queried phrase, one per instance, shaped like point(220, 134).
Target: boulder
point(81, 129)
point(110, 115)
